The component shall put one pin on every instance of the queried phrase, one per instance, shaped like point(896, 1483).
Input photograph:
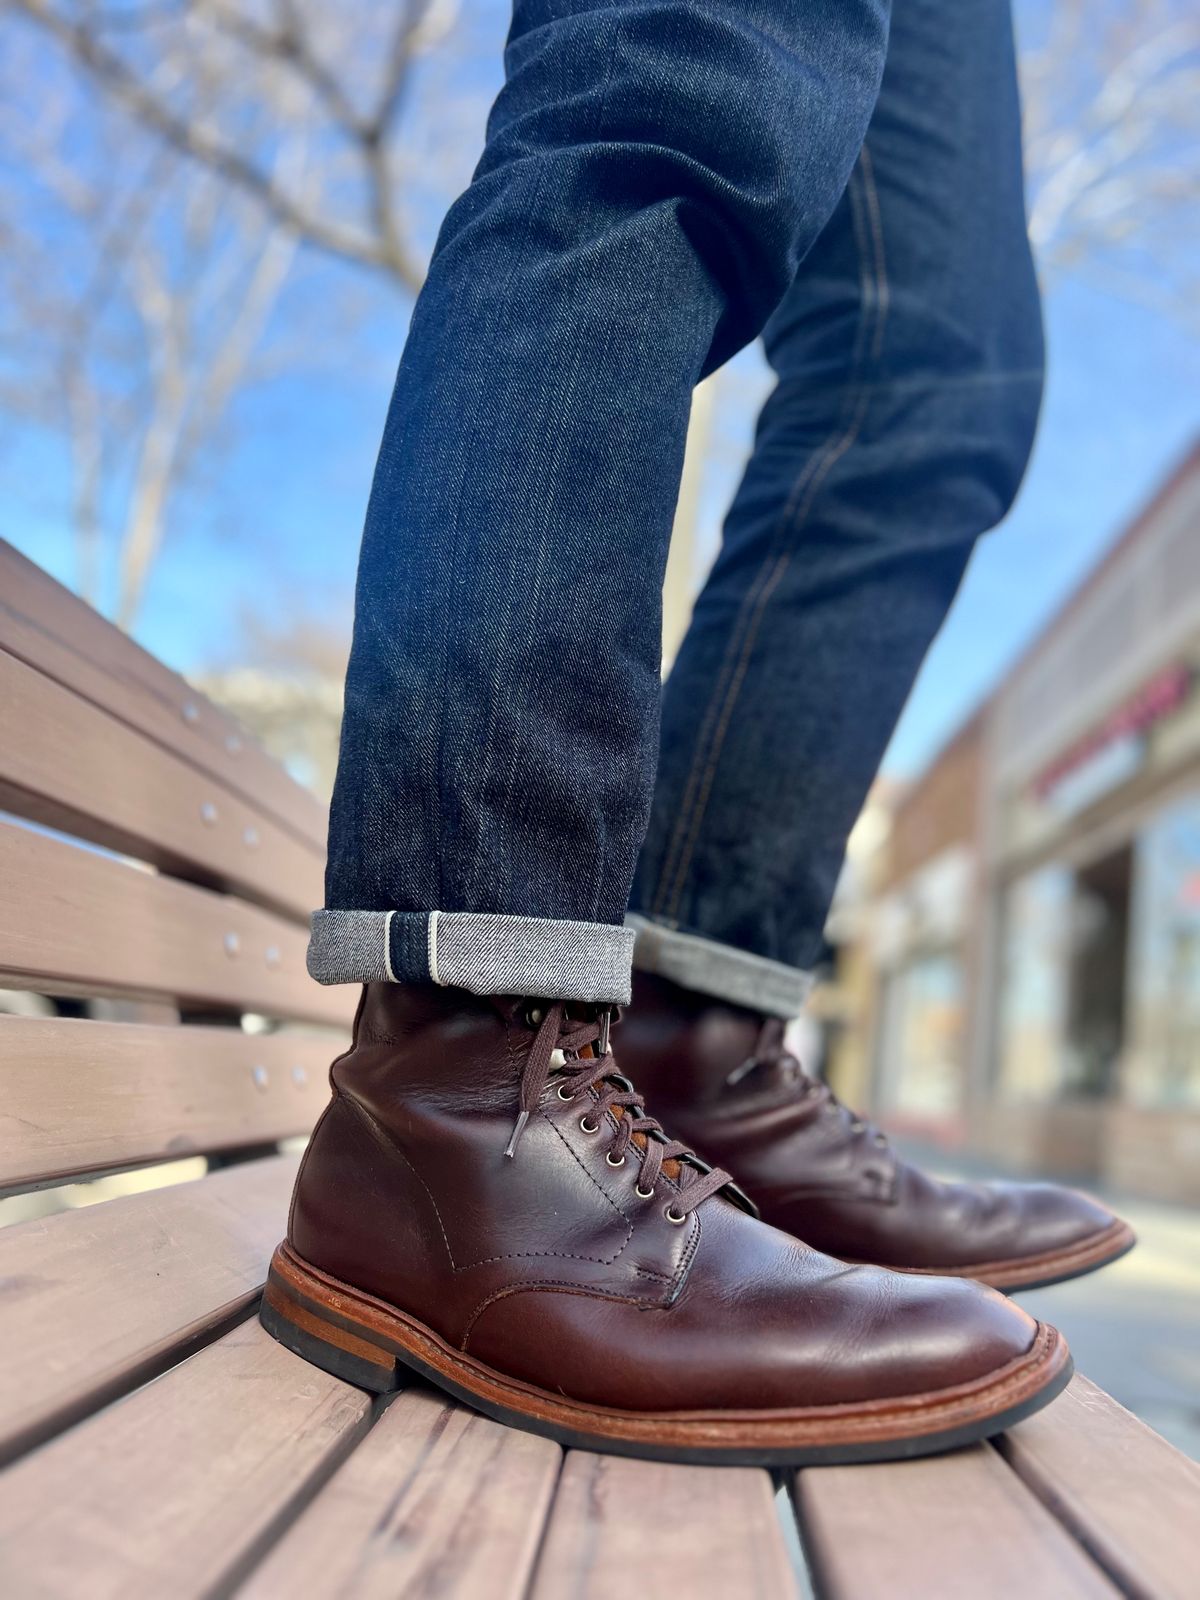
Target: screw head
point(250, 838)
point(232, 743)
point(208, 813)
point(299, 1077)
point(261, 1077)
point(273, 956)
point(191, 712)
point(232, 944)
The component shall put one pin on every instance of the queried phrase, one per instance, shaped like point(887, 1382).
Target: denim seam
point(961, 380)
point(441, 719)
point(883, 289)
point(872, 275)
point(509, 778)
point(387, 947)
point(668, 874)
point(793, 520)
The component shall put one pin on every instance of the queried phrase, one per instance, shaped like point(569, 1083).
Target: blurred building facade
point(1019, 959)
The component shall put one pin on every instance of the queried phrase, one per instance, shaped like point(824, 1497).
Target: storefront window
point(921, 1068)
point(1163, 1064)
point(1035, 986)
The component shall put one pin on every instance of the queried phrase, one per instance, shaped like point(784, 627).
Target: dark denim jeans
point(662, 179)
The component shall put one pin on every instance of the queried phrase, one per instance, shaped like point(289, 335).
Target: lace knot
point(556, 1051)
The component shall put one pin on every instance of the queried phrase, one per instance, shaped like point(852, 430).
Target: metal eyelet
point(857, 1125)
point(881, 1139)
point(643, 1194)
point(534, 1016)
point(570, 1095)
point(619, 1162)
point(589, 1127)
point(675, 1217)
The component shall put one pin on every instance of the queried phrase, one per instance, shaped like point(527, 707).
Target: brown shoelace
point(581, 1075)
point(771, 1052)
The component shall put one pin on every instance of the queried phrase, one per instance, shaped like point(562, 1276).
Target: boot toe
point(920, 1334)
point(1057, 1217)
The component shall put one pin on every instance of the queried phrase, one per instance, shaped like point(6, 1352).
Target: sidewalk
point(1135, 1326)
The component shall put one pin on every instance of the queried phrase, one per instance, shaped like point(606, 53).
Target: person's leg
point(485, 1198)
point(909, 359)
point(638, 211)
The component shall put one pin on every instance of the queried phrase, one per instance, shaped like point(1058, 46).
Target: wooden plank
point(78, 1097)
point(1126, 1494)
point(708, 1527)
point(73, 767)
point(942, 1527)
point(435, 1501)
point(75, 921)
point(168, 1491)
point(59, 634)
point(97, 1299)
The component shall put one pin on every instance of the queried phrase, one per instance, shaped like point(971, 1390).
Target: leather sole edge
point(368, 1343)
point(1040, 1272)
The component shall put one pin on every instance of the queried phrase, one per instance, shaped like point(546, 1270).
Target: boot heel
point(325, 1337)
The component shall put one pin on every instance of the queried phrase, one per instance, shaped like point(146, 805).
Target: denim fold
point(720, 970)
point(486, 953)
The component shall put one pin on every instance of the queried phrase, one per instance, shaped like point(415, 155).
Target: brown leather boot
point(486, 1203)
point(724, 1080)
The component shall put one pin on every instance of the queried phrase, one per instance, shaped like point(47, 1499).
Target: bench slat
point(168, 1491)
point(944, 1527)
point(435, 1501)
point(73, 767)
point(701, 1526)
point(99, 925)
point(59, 634)
point(80, 1097)
point(95, 1299)
point(1130, 1497)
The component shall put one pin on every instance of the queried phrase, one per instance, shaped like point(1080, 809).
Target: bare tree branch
point(196, 138)
point(170, 161)
point(1112, 100)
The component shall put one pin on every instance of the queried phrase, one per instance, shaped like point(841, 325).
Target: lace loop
point(771, 1051)
point(556, 1032)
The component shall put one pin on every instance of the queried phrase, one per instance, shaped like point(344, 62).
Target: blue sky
point(274, 525)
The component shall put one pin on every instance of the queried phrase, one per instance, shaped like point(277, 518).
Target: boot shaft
point(682, 1048)
point(406, 1190)
point(418, 1043)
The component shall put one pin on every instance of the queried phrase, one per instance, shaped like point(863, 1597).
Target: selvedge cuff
point(487, 953)
point(721, 970)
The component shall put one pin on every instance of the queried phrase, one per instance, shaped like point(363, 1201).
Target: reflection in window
point(922, 1065)
point(1163, 1067)
point(1034, 994)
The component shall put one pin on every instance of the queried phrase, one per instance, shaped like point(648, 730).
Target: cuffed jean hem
point(484, 952)
point(720, 970)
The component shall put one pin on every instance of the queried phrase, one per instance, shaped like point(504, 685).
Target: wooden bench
point(156, 1443)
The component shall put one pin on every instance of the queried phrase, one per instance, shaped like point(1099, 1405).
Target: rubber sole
point(1039, 1272)
point(371, 1345)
